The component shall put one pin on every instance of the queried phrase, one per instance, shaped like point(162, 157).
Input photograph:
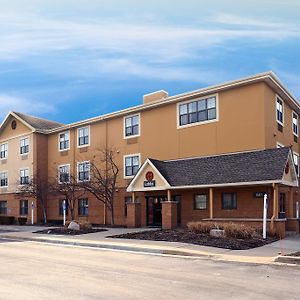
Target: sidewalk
point(262, 255)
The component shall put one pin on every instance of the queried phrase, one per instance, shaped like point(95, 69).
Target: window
point(296, 162)
point(83, 207)
point(83, 136)
point(64, 141)
point(24, 176)
point(64, 173)
point(200, 201)
point(61, 207)
point(83, 169)
point(132, 124)
point(295, 124)
point(3, 151)
point(23, 207)
point(198, 111)
point(132, 165)
point(24, 146)
point(3, 207)
point(279, 111)
point(229, 201)
point(127, 200)
point(3, 179)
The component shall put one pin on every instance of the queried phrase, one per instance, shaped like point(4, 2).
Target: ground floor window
point(23, 207)
point(61, 206)
point(3, 207)
point(200, 201)
point(229, 201)
point(281, 206)
point(83, 207)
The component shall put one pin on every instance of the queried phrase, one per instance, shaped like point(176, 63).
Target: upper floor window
point(3, 179)
point(279, 110)
point(132, 165)
point(132, 125)
point(24, 146)
point(83, 136)
point(296, 162)
point(64, 174)
point(295, 124)
point(24, 176)
point(198, 111)
point(83, 171)
point(64, 141)
point(3, 151)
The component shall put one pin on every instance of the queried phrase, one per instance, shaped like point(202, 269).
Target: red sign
point(149, 176)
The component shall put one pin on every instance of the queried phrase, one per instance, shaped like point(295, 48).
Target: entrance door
point(154, 210)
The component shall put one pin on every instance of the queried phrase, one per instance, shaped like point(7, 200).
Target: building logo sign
point(149, 182)
point(259, 194)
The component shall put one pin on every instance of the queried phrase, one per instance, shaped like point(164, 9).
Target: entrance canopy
point(259, 167)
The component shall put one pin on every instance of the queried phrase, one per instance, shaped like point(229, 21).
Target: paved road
point(38, 271)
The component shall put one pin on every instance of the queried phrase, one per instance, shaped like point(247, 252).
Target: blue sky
point(71, 60)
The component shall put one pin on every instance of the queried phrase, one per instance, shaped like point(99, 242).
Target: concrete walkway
point(263, 255)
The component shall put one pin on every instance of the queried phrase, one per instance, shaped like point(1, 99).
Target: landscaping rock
point(74, 226)
point(217, 233)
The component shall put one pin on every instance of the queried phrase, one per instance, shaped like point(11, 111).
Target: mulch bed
point(66, 231)
point(189, 237)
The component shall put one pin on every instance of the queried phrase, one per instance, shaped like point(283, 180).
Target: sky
point(71, 60)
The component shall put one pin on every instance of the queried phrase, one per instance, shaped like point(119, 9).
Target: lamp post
point(265, 216)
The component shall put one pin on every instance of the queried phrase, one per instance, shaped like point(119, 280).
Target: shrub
point(239, 231)
point(7, 220)
point(22, 220)
point(200, 227)
point(85, 225)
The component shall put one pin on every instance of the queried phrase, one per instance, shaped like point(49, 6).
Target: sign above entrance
point(149, 183)
point(149, 176)
point(259, 194)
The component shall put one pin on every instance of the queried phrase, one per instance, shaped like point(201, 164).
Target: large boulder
point(74, 226)
point(217, 233)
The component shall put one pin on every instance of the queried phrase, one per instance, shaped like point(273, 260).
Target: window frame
point(124, 164)
point(4, 172)
point(222, 200)
point(58, 170)
point(297, 169)
point(5, 151)
point(197, 99)
point(5, 207)
point(20, 147)
point(21, 207)
point(83, 162)
point(20, 180)
point(295, 134)
point(89, 136)
point(206, 202)
point(86, 207)
point(124, 126)
point(65, 149)
point(278, 121)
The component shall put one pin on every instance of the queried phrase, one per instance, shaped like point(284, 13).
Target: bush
point(85, 225)
point(200, 227)
point(239, 231)
point(7, 220)
point(22, 220)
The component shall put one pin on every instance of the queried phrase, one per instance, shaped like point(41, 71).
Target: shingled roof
point(38, 123)
point(255, 166)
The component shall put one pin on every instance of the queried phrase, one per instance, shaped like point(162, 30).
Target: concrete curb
point(288, 259)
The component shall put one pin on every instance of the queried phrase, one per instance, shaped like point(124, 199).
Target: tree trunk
point(112, 215)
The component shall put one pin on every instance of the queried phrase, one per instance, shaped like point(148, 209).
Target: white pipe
point(265, 217)
point(297, 210)
point(32, 212)
point(64, 209)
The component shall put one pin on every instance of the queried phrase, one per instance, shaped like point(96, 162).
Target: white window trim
point(22, 169)
point(279, 122)
point(293, 112)
point(197, 123)
point(124, 164)
point(279, 145)
point(58, 138)
point(58, 172)
point(297, 154)
point(6, 186)
point(77, 173)
point(87, 145)
point(29, 148)
point(7, 150)
point(124, 126)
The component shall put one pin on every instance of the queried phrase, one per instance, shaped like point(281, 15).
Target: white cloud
point(19, 104)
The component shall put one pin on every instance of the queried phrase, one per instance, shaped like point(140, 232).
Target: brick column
point(169, 214)
point(133, 215)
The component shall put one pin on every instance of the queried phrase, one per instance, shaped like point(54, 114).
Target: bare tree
point(103, 179)
point(67, 187)
point(37, 188)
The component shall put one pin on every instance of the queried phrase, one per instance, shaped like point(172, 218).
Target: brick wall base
point(169, 214)
point(133, 219)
